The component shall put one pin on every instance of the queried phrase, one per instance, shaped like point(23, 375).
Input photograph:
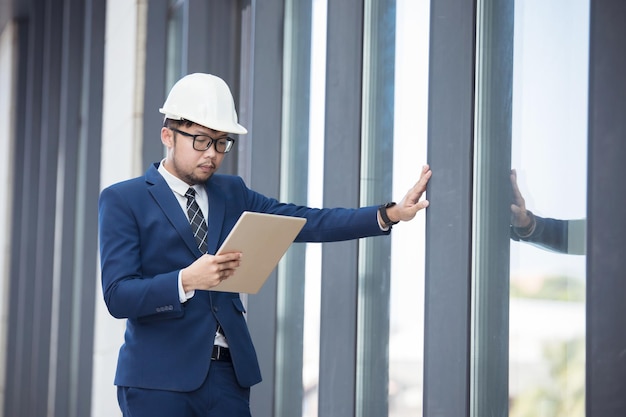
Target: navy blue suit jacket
point(145, 240)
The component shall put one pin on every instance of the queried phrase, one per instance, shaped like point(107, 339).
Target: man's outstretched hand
point(410, 204)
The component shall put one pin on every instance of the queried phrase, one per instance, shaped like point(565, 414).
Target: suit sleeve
point(128, 292)
point(550, 234)
point(323, 225)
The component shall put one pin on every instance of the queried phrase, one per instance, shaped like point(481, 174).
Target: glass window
point(312, 299)
point(401, 395)
point(406, 327)
point(528, 334)
point(549, 155)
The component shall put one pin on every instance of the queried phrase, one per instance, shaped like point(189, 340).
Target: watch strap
point(382, 210)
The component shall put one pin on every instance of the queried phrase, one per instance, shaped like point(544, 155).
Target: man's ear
point(167, 137)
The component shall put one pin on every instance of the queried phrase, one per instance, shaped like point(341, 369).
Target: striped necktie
point(196, 219)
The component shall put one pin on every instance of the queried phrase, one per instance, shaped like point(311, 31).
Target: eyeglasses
point(204, 142)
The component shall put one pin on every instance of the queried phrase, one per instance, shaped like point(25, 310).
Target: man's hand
point(209, 270)
point(519, 214)
point(408, 207)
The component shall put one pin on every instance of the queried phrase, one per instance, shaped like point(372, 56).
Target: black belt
point(220, 353)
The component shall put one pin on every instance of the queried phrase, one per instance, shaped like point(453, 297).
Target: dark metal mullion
point(263, 147)
point(154, 80)
point(87, 191)
point(198, 35)
point(44, 255)
point(29, 227)
point(63, 348)
point(606, 240)
point(338, 322)
point(449, 218)
point(214, 35)
point(28, 87)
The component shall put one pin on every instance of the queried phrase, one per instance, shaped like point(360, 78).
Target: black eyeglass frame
point(228, 146)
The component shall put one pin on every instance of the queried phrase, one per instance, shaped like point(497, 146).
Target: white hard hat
point(203, 99)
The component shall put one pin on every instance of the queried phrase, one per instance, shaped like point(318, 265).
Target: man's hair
point(177, 123)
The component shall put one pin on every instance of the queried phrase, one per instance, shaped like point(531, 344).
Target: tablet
point(263, 239)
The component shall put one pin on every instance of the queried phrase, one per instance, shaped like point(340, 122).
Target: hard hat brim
point(235, 128)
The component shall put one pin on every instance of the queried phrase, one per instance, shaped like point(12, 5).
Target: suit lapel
point(166, 200)
point(217, 210)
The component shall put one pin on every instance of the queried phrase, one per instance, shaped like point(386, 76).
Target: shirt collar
point(176, 184)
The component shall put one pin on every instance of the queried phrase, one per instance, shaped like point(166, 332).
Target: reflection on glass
point(559, 235)
point(549, 140)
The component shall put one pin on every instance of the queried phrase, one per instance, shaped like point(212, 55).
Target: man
point(187, 350)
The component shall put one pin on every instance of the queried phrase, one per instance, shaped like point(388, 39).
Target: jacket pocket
point(162, 314)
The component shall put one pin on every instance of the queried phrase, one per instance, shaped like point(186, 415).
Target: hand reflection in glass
point(563, 236)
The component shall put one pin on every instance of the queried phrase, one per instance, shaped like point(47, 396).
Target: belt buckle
point(219, 353)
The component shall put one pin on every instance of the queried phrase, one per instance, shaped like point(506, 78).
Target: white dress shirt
point(179, 188)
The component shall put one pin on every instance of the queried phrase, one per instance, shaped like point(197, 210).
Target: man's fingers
point(420, 185)
point(227, 257)
point(228, 268)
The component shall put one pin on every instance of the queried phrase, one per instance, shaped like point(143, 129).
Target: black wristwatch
point(382, 210)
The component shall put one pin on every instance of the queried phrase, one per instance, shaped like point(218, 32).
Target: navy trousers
point(219, 396)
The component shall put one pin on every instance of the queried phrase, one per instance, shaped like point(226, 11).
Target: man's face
point(183, 161)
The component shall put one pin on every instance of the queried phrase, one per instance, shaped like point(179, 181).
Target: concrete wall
point(120, 160)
